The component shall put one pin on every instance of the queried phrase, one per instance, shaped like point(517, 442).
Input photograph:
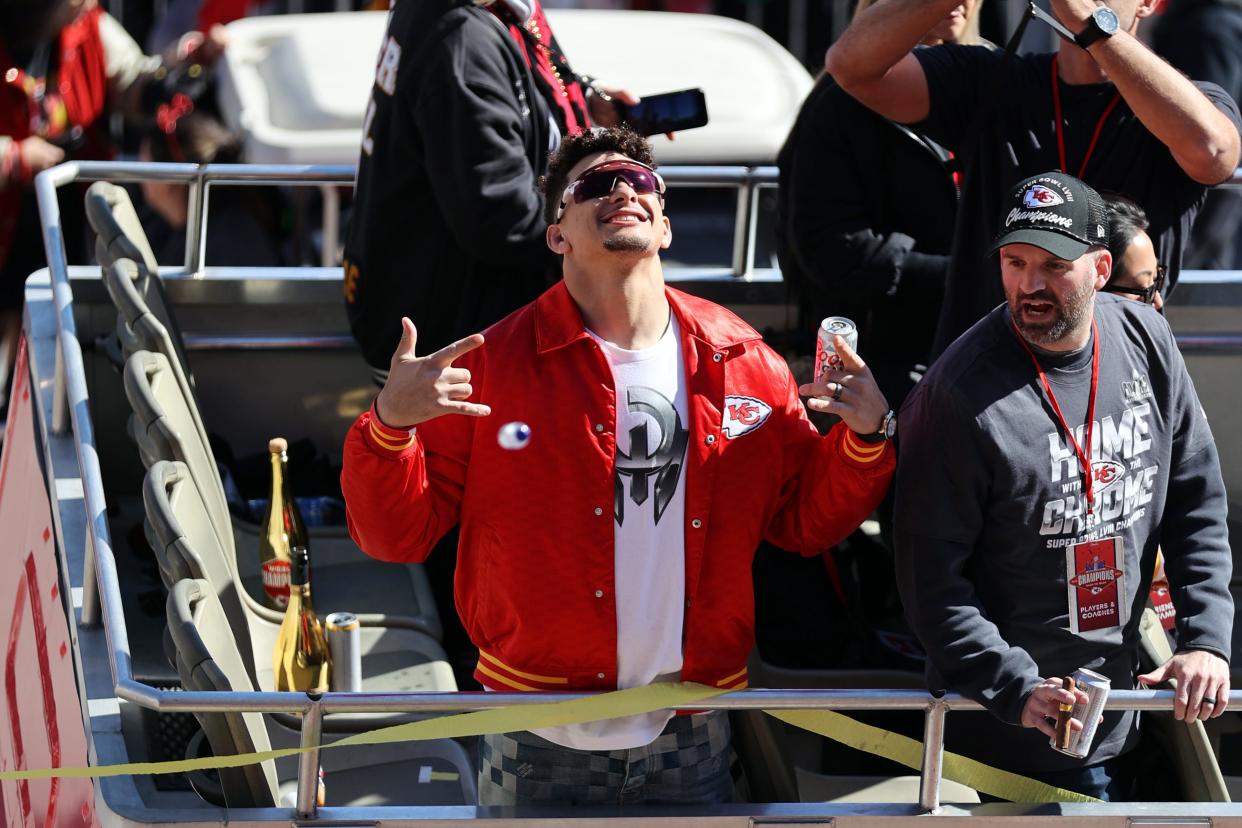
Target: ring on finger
point(837, 388)
point(1209, 701)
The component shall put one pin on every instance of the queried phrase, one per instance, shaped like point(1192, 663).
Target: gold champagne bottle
point(301, 659)
point(282, 529)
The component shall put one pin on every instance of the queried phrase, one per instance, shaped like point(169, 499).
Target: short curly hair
point(573, 149)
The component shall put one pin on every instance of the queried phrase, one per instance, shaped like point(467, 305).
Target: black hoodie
point(446, 225)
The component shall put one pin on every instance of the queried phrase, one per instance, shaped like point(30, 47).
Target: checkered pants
point(688, 763)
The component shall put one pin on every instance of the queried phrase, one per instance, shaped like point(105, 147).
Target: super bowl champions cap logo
point(1037, 195)
point(1056, 212)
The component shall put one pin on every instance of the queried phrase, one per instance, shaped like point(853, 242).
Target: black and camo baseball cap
point(1056, 212)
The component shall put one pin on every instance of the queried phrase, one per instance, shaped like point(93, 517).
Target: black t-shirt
point(1019, 139)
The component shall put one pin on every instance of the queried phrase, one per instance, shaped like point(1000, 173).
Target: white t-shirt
point(649, 520)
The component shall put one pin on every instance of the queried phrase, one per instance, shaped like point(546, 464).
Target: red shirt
point(535, 571)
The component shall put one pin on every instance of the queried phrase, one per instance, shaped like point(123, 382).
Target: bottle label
point(276, 581)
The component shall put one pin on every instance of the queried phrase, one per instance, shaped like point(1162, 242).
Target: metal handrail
point(101, 603)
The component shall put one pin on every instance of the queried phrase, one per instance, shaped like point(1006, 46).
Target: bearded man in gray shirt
point(1060, 436)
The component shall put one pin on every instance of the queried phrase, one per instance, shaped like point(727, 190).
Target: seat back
point(208, 659)
point(180, 531)
point(167, 426)
point(118, 232)
point(138, 324)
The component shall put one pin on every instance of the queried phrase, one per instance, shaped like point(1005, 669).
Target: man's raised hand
point(423, 388)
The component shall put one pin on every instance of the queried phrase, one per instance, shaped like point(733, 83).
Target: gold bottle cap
point(277, 445)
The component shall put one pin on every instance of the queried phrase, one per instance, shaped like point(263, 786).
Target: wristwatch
point(888, 429)
point(1101, 24)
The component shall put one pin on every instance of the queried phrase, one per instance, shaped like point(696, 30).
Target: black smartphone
point(669, 112)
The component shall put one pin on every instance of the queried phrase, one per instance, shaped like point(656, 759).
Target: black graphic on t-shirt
point(660, 455)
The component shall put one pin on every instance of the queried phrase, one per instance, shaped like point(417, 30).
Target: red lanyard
point(1083, 460)
point(1099, 125)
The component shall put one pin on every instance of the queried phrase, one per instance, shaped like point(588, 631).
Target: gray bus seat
point(119, 233)
point(139, 326)
point(119, 237)
point(208, 659)
point(394, 595)
point(185, 544)
point(1188, 746)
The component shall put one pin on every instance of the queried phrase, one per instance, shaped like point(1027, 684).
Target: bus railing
point(101, 601)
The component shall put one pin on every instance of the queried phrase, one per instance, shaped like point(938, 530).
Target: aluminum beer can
point(345, 647)
point(1096, 687)
point(826, 356)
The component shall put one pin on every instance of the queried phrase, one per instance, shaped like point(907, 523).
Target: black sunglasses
point(1148, 294)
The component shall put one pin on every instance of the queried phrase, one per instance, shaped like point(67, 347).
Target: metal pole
point(741, 231)
point(752, 227)
point(91, 605)
point(331, 225)
point(308, 762)
point(60, 397)
point(933, 756)
point(196, 225)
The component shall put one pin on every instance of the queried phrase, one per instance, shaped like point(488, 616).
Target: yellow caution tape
point(500, 720)
point(840, 728)
point(909, 752)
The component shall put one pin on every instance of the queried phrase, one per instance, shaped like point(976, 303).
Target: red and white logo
point(1107, 473)
point(1037, 195)
point(744, 414)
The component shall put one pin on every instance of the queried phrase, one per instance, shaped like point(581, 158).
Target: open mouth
point(624, 218)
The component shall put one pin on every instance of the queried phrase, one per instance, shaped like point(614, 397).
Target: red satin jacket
point(535, 571)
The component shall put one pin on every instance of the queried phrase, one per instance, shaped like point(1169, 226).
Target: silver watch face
point(1106, 19)
point(889, 426)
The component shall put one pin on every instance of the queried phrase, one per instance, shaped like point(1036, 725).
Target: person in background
point(1103, 107)
point(1137, 273)
point(65, 66)
point(243, 222)
point(1045, 458)
point(866, 209)
point(469, 100)
point(590, 446)
point(1203, 38)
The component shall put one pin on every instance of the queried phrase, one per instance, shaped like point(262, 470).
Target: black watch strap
point(1095, 31)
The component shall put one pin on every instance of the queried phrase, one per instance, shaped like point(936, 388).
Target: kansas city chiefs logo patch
point(743, 415)
point(1037, 195)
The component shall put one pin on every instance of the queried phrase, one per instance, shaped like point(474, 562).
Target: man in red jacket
point(614, 454)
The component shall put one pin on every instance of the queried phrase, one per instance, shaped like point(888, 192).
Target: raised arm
point(1202, 139)
point(872, 59)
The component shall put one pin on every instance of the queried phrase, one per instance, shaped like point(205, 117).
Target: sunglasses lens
point(598, 183)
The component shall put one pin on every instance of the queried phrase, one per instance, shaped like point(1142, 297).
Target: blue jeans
point(687, 764)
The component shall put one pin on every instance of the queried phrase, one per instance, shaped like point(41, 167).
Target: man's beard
point(1067, 316)
point(627, 244)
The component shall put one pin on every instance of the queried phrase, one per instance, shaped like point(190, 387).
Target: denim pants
point(688, 763)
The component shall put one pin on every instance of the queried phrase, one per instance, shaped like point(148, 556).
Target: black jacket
point(866, 211)
point(446, 225)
